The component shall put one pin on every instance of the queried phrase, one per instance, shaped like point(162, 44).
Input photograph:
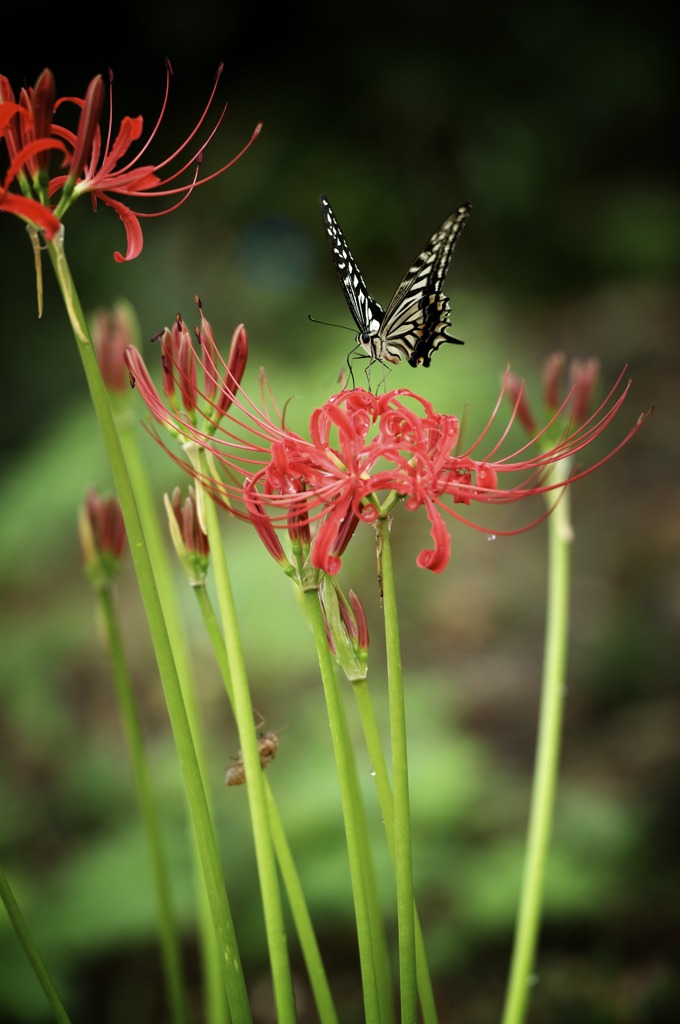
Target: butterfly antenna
point(325, 323)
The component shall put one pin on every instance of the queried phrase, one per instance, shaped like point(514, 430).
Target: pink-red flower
point(24, 129)
point(103, 167)
point(363, 455)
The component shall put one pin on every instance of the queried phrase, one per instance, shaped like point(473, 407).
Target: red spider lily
point(102, 169)
point(22, 157)
point(574, 409)
point(365, 453)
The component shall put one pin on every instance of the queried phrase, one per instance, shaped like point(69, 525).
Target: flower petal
point(133, 231)
point(32, 211)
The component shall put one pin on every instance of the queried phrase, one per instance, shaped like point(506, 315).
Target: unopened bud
point(102, 537)
point(584, 377)
point(553, 371)
point(236, 364)
point(188, 537)
point(88, 126)
point(113, 331)
point(516, 392)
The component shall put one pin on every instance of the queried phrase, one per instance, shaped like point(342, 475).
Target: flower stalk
point(375, 986)
point(243, 710)
point(30, 948)
point(205, 836)
point(291, 880)
point(215, 994)
point(381, 776)
point(546, 766)
point(574, 409)
point(403, 861)
point(170, 946)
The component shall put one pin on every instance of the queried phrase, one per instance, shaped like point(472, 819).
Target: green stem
point(402, 817)
point(36, 961)
point(303, 922)
point(200, 815)
point(243, 711)
point(383, 967)
point(215, 993)
point(216, 639)
point(546, 763)
point(291, 880)
point(384, 789)
point(349, 798)
point(167, 922)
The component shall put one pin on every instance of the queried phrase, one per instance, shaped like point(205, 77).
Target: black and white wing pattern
point(415, 322)
point(368, 314)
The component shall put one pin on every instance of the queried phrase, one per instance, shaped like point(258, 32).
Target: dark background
point(559, 124)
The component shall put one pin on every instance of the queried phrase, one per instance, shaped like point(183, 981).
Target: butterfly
point(414, 324)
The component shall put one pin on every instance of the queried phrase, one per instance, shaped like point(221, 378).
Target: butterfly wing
point(367, 313)
point(415, 322)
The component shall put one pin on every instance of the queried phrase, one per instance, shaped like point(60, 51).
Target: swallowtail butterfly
point(414, 324)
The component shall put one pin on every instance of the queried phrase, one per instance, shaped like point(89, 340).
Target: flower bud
point(236, 364)
point(553, 370)
point(113, 331)
point(188, 535)
point(516, 392)
point(43, 108)
point(584, 377)
point(102, 538)
point(346, 629)
point(88, 126)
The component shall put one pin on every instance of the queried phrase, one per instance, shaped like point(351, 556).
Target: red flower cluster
point(102, 169)
point(365, 453)
point(25, 130)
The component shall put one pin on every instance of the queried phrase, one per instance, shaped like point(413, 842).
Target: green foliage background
point(557, 124)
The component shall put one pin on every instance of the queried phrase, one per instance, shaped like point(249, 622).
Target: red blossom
point(365, 453)
point(25, 158)
point(104, 169)
point(262, 523)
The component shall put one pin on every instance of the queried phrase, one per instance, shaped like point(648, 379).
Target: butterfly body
point(414, 324)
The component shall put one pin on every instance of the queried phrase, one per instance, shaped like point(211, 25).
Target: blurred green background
point(557, 123)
